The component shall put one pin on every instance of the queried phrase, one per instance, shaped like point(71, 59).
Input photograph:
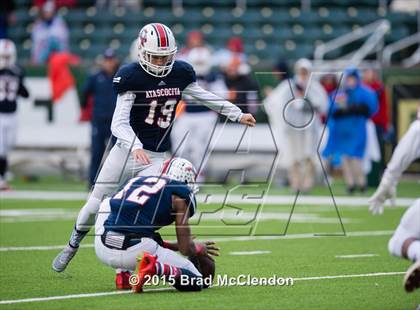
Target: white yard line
point(249, 253)
point(364, 275)
point(356, 255)
point(57, 214)
point(39, 248)
point(220, 239)
point(15, 301)
point(214, 198)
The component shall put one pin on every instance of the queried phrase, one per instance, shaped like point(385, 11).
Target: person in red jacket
point(381, 117)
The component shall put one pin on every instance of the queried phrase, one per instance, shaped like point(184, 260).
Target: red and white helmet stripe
point(162, 37)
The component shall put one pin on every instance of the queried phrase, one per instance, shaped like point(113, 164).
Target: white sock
point(413, 252)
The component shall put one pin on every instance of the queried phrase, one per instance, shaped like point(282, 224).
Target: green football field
point(330, 270)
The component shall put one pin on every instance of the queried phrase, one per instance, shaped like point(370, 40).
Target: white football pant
point(118, 167)
point(127, 259)
point(8, 126)
point(409, 227)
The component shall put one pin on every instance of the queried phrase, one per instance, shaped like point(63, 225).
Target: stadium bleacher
point(270, 29)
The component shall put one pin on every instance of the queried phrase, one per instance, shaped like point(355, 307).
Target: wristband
point(199, 248)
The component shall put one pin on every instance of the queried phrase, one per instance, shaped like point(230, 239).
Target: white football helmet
point(7, 53)
point(156, 40)
point(200, 59)
point(182, 170)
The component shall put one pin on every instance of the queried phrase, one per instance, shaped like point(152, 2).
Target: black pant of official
point(101, 136)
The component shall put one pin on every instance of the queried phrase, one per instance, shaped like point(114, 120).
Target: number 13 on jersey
point(166, 111)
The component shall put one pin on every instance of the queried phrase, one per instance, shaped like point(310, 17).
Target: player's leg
point(7, 140)
point(359, 174)
point(156, 260)
point(157, 159)
point(348, 174)
point(116, 167)
point(406, 243)
point(3, 158)
point(109, 256)
point(406, 239)
point(98, 142)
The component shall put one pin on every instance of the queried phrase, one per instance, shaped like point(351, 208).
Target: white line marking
point(215, 198)
point(220, 239)
point(364, 275)
point(15, 301)
point(40, 248)
point(55, 214)
point(249, 253)
point(356, 255)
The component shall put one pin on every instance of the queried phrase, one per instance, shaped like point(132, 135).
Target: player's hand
point(141, 156)
point(248, 119)
point(384, 191)
point(207, 248)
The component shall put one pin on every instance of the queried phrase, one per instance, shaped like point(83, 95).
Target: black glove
point(359, 109)
point(340, 113)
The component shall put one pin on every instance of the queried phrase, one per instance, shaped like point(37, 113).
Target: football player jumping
point(127, 224)
point(406, 239)
point(11, 86)
point(148, 93)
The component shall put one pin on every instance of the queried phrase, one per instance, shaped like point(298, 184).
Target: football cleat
point(63, 258)
point(412, 277)
point(122, 280)
point(146, 267)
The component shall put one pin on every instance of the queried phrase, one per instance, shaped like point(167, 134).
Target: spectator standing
point(298, 101)
point(234, 49)
point(380, 118)
point(347, 128)
point(49, 27)
point(99, 87)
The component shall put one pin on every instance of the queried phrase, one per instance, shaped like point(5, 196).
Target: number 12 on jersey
point(140, 194)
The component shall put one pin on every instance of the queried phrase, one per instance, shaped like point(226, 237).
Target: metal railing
point(374, 32)
point(400, 45)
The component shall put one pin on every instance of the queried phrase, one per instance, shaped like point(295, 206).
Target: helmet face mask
point(156, 49)
point(181, 170)
point(7, 53)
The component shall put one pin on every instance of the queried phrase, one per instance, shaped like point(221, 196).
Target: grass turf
point(27, 274)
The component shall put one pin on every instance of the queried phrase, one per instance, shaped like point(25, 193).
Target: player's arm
point(121, 128)
point(185, 244)
point(22, 90)
point(210, 246)
point(219, 104)
point(407, 150)
point(183, 231)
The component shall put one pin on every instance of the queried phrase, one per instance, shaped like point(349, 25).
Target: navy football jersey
point(144, 205)
point(156, 99)
point(11, 85)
